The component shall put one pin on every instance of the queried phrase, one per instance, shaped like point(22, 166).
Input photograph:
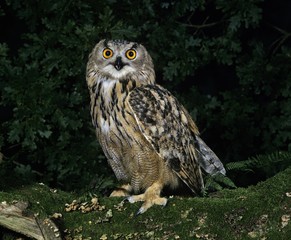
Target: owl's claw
point(165, 204)
point(131, 199)
point(127, 199)
point(149, 201)
point(140, 211)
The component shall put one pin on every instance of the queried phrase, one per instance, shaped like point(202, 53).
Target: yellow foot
point(123, 191)
point(150, 197)
point(148, 202)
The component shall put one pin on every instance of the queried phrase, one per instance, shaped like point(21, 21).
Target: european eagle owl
point(148, 137)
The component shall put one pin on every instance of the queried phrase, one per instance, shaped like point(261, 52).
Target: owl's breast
point(116, 127)
point(126, 149)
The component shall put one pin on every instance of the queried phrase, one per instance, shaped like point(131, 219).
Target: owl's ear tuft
point(105, 42)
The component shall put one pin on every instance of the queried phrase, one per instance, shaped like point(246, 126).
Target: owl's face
point(119, 59)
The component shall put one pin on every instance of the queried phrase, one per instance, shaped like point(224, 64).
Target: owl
point(147, 136)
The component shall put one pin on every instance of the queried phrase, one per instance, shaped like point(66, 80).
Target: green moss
point(243, 213)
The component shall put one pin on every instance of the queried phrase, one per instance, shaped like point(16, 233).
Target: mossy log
point(257, 212)
point(15, 217)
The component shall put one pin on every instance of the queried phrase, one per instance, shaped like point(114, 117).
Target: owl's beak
point(118, 63)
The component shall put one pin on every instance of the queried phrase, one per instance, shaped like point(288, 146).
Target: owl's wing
point(165, 124)
point(206, 157)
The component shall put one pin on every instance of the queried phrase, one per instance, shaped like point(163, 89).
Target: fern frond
point(261, 161)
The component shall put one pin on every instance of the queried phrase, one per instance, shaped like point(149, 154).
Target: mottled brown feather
point(169, 129)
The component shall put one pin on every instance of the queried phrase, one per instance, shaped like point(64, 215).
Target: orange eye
point(107, 53)
point(130, 54)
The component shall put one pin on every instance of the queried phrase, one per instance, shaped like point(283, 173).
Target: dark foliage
point(227, 61)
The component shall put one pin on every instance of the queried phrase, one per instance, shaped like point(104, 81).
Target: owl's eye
point(130, 54)
point(107, 53)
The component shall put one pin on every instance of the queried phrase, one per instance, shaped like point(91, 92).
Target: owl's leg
point(150, 197)
point(123, 191)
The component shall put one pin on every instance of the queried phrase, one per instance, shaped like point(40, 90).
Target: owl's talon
point(151, 202)
point(125, 200)
point(165, 204)
point(140, 211)
point(129, 199)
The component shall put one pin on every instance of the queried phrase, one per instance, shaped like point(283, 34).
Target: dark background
point(228, 62)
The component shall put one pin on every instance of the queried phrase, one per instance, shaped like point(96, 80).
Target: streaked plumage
point(149, 139)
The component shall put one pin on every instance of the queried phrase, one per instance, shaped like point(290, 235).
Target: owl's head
point(120, 60)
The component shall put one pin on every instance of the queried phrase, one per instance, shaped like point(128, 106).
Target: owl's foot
point(150, 197)
point(122, 191)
